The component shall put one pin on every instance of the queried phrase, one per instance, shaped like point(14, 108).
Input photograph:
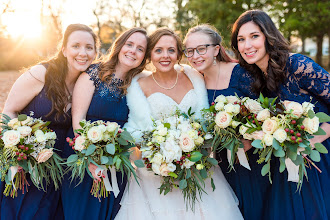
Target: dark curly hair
point(276, 46)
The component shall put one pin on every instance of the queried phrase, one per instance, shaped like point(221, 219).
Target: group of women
point(118, 89)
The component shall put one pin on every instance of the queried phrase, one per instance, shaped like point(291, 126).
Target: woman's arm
point(25, 88)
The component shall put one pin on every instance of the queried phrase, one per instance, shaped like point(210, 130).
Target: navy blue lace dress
point(37, 204)
point(107, 104)
point(306, 82)
point(249, 186)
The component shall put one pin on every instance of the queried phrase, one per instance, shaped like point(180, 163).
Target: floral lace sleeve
point(242, 81)
point(93, 72)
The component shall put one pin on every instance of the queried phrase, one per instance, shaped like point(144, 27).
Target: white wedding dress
point(144, 201)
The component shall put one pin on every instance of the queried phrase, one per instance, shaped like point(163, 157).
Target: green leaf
point(320, 131)
point(173, 175)
point(212, 184)
point(195, 156)
point(110, 161)
point(321, 148)
point(188, 175)
point(139, 163)
point(110, 148)
point(279, 153)
point(122, 141)
point(127, 136)
point(276, 144)
point(118, 163)
point(183, 184)
point(299, 160)
point(212, 161)
point(311, 114)
point(261, 98)
point(22, 117)
point(282, 165)
point(72, 158)
point(265, 169)
point(167, 125)
point(292, 155)
point(315, 156)
point(323, 117)
point(257, 144)
point(91, 148)
point(104, 160)
point(203, 173)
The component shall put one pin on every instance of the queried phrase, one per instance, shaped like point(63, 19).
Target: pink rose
point(296, 108)
point(44, 155)
point(223, 119)
point(186, 143)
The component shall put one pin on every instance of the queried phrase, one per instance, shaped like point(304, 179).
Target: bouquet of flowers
point(26, 146)
point(224, 117)
point(174, 150)
point(107, 146)
point(284, 130)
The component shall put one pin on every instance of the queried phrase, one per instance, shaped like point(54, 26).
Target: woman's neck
point(165, 76)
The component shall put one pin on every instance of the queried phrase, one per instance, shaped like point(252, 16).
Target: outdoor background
point(30, 30)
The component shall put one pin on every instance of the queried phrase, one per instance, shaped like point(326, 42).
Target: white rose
point(237, 109)
point(111, 126)
point(193, 134)
point(268, 139)
point(221, 98)
point(280, 135)
point(306, 107)
point(243, 129)
point(219, 106)
point(24, 130)
point(162, 131)
point(159, 139)
point(170, 151)
point(102, 128)
point(223, 119)
point(50, 135)
point(186, 143)
point(146, 152)
point(165, 169)
point(187, 163)
point(311, 124)
point(80, 143)
point(263, 115)
point(199, 166)
point(184, 126)
point(258, 135)
point(234, 124)
point(253, 106)
point(11, 138)
point(40, 136)
point(14, 123)
point(95, 134)
point(27, 120)
point(296, 108)
point(199, 141)
point(229, 108)
point(269, 126)
point(232, 99)
point(196, 125)
point(208, 136)
point(158, 158)
point(155, 167)
point(106, 136)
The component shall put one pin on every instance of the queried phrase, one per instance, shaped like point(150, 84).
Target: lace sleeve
point(310, 76)
point(242, 81)
point(93, 72)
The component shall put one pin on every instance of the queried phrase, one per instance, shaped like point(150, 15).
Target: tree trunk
point(319, 42)
point(303, 45)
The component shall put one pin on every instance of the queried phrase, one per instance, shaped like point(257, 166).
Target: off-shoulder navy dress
point(108, 104)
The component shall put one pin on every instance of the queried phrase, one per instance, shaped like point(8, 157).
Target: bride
point(155, 95)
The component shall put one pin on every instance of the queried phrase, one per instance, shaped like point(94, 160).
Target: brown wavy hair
point(109, 62)
point(276, 46)
point(215, 37)
point(160, 32)
point(57, 70)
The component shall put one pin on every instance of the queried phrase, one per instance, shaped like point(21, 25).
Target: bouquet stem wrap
point(104, 175)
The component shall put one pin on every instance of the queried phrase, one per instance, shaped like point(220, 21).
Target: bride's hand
point(247, 144)
point(92, 168)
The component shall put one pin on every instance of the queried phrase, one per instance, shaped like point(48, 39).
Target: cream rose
point(219, 106)
point(232, 99)
point(187, 163)
point(196, 125)
point(111, 126)
point(268, 139)
point(159, 139)
point(280, 135)
point(234, 124)
point(199, 141)
point(296, 108)
point(258, 135)
point(171, 151)
point(165, 169)
point(311, 124)
point(221, 98)
point(27, 120)
point(80, 143)
point(40, 136)
point(263, 115)
point(11, 138)
point(253, 106)
point(50, 135)
point(269, 126)
point(95, 134)
point(14, 123)
point(24, 130)
point(44, 155)
point(158, 158)
point(193, 134)
point(223, 119)
point(155, 167)
point(306, 107)
point(186, 143)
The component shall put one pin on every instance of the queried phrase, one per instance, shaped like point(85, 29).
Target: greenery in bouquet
point(176, 150)
point(26, 146)
point(283, 130)
point(107, 146)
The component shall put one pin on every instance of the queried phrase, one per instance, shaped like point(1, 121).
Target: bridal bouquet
point(107, 146)
point(284, 130)
point(175, 150)
point(26, 146)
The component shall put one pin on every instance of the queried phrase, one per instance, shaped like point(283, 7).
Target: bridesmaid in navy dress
point(100, 95)
point(223, 76)
point(263, 51)
point(45, 90)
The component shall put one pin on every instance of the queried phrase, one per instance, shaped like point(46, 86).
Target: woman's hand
point(92, 168)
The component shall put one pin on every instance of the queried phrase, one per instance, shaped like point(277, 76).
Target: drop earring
point(214, 61)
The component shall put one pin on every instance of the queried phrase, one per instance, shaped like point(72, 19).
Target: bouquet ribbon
point(114, 187)
point(13, 171)
point(241, 157)
point(293, 170)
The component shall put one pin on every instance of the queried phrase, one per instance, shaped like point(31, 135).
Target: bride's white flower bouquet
point(107, 146)
point(175, 150)
point(26, 146)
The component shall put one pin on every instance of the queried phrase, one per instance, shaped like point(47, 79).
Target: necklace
point(216, 86)
point(176, 81)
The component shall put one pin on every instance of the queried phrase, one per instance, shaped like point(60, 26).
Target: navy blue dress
point(306, 82)
point(37, 204)
point(107, 104)
point(249, 186)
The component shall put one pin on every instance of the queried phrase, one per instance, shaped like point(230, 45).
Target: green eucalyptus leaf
point(212, 161)
point(139, 163)
point(292, 155)
point(122, 141)
point(195, 156)
point(276, 145)
point(118, 163)
point(104, 160)
point(321, 148)
point(91, 148)
point(22, 117)
point(127, 136)
point(203, 173)
point(320, 131)
point(72, 158)
point(315, 156)
point(183, 184)
point(282, 165)
point(188, 175)
point(311, 114)
point(257, 144)
point(265, 169)
point(323, 117)
point(279, 153)
point(110, 148)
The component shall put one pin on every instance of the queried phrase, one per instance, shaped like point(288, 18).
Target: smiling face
point(205, 61)
point(79, 51)
point(164, 55)
point(132, 53)
point(251, 45)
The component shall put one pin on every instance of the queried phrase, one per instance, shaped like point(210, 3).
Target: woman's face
point(165, 54)
point(251, 45)
point(203, 44)
point(132, 53)
point(79, 51)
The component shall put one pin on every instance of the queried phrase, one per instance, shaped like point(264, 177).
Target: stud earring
point(214, 61)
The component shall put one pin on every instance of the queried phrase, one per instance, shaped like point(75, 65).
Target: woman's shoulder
point(37, 72)
point(192, 74)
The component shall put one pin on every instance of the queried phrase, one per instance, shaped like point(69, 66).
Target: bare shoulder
point(144, 81)
point(37, 72)
point(227, 67)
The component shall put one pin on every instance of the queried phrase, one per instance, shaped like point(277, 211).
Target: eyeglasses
point(201, 50)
